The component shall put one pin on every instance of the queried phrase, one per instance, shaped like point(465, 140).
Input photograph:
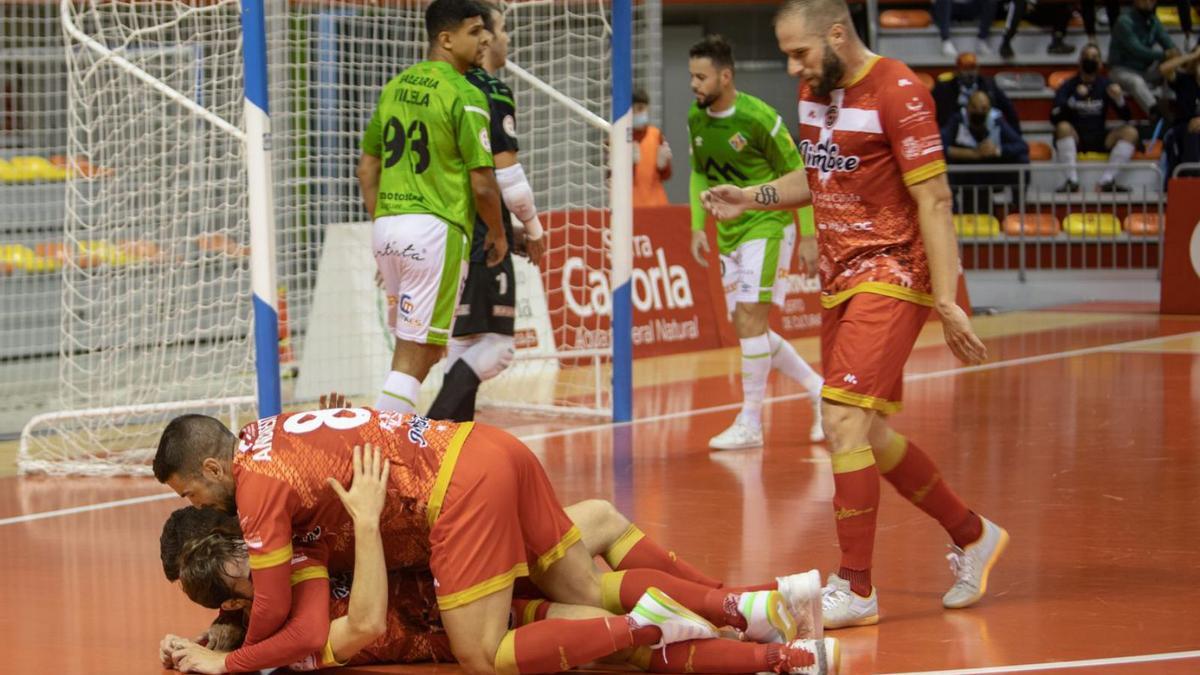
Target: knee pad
point(457, 347)
point(490, 355)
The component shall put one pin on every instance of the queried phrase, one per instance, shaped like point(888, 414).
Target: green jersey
point(430, 128)
point(746, 145)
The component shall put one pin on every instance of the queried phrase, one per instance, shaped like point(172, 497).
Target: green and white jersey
point(430, 128)
point(746, 145)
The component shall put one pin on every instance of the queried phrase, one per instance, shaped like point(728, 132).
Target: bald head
point(817, 15)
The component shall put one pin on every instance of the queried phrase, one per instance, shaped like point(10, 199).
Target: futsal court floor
point(1081, 436)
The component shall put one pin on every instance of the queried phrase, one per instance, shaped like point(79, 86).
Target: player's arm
point(305, 631)
point(370, 164)
point(786, 193)
point(697, 184)
point(265, 506)
point(510, 175)
point(471, 121)
point(366, 617)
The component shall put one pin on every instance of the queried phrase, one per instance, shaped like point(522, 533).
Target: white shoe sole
point(1001, 544)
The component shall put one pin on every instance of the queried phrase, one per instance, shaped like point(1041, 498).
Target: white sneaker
point(803, 594)
point(677, 623)
point(983, 47)
point(972, 565)
point(844, 608)
point(767, 617)
point(816, 434)
point(827, 655)
point(738, 436)
point(949, 50)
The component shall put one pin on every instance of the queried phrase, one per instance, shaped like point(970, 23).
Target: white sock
point(1068, 154)
point(785, 359)
point(756, 365)
point(1121, 153)
point(400, 393)
point(490, 355)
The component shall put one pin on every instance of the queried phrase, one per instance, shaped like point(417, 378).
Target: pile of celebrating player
point(374, 535)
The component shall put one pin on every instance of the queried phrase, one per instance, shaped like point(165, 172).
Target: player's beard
point(226, 500)
point(832, 70)
point(708, 100)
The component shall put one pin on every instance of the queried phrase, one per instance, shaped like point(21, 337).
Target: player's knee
point(476, 661)
point(845, 425)
point(750, 319)
point(1064, 130)
point(1128, 133)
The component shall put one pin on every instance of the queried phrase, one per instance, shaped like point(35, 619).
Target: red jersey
point(282, 496)
point(307, 621)
point(863, 145)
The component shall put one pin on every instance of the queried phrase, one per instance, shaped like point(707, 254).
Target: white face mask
point(641, 120)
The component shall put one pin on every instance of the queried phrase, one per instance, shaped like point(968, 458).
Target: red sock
point(555, 645)
point(715, 656)
point(634, 550)
point(856, 506)
point(620, 592)
point(526, 611)
point(915, 476)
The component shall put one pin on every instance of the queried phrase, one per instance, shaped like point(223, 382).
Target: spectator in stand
point(945, 11)
point(1139, 45)
point(1181, 73)
point(1112, 8)
point(1081, 106)
point(651, 156)
point(951, 95)
point(1054, 14)
point(979, 134)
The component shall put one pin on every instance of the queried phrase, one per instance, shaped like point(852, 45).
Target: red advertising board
point(1181, 249)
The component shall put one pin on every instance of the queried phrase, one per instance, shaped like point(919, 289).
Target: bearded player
point(874, 165)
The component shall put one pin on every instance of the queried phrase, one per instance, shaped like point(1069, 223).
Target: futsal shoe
point(677, 623)
point(972, 564)
point(803, 594)
point(738, 436)
point(844, 608)
point(768, 618)
point(826, 656)
point(816, 434)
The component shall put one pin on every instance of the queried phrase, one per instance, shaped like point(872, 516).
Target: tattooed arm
point(789, 191)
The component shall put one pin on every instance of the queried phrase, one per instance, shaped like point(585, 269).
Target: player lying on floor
point(213, 564)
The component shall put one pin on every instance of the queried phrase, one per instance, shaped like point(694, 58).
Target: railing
point(1012, 217)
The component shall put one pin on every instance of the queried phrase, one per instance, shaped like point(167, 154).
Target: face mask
point(1089, 66)
point(641, 121)
point(977, 119)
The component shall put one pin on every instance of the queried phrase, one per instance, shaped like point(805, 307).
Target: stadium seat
point(926, 79)
point(139, 251)
point(1091, 225)
point(1040, 151)
point(36, 168)
point(1056, 79)
point(1169, 16)
point(976, 225)
point(1033, 224)
point(81, 165)
point(219, 243)
point(18, 257)
point(1143, 223)
point(1153, 151)
point(1013, 80)
point(8, 173)
point(95, 252)
point(904, 18)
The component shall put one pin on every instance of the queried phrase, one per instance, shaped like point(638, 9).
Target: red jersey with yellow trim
point(280, 469)
point(863, 146)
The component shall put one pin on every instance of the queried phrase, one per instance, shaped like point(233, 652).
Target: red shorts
point(499, 520)
point(865, 342)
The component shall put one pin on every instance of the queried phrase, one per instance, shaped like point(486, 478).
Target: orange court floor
point(1081, 436)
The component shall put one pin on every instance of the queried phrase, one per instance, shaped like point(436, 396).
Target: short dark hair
point(190, 524)
point(715, 48)
point(202, 568)
point(187, 441)
point(442, 15)
point(640, 96)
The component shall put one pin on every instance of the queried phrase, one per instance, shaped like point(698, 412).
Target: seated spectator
point(1181, 73)
point(1081, 106)
point(951, 94)
point(945, 11)
point(979, 134)
point(1139, 44)
point(1054, 14)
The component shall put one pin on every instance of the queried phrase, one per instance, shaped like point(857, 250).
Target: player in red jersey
point(874, 165)
point(467, 501)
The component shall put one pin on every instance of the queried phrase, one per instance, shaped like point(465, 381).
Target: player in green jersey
point(736, 138)
point(425, 170)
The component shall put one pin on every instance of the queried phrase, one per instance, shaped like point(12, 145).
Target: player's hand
point(1115, 92)
point(725, 202)
point(192, 658)
point(535, 248)
point(961, 337)
point(988, 149)
point(169, 644)
point(700, 247)
point(496, 247)
point(334, 400)
point(664, 155)
point(808, 254)
point(368, 487)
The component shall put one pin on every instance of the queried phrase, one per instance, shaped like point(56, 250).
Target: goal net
point(154, 259)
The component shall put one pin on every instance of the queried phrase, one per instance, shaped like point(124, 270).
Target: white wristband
point(518, 196)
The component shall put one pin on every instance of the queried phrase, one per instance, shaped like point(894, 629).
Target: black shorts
point(489, 300)
point(1093, 142)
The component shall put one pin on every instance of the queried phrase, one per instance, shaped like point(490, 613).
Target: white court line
point(916, 377)
point(1060, 665)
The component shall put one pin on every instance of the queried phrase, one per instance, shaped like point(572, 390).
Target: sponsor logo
point(849, 378)
point(914, 104)
point(417, 426)
point(406, 304)
point(904, 82)
point(737, 141)
point(308, 538)
point(698, 141)
point(587, 292)
point(722, 173)
point(510, 125)
point(844, 513)
point(912, 147)
point(826, 156)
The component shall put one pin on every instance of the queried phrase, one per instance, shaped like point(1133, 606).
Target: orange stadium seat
point(1091, 225)
point(1040, 151)
point(976, 225)
point(904, 18)
point(1033, 224)
point(1056, 79)
point(1153, 151)
point(219, 243)
point(1143, 223)
point(926, 79)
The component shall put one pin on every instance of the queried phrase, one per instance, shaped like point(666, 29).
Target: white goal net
point(154, 261)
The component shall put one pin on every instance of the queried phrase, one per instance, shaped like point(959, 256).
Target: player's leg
point(1121, 143)
point(784, 357)
point(422, 292)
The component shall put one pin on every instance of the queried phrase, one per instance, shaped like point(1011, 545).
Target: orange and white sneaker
point(819, 657)
point(768, 618)
point(972, 564)
point(844, 608)
point(803, 594)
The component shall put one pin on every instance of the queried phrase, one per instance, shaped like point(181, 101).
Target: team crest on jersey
point(510, 125)
point(737, 141)
point(484, 140)
point(831, 115)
